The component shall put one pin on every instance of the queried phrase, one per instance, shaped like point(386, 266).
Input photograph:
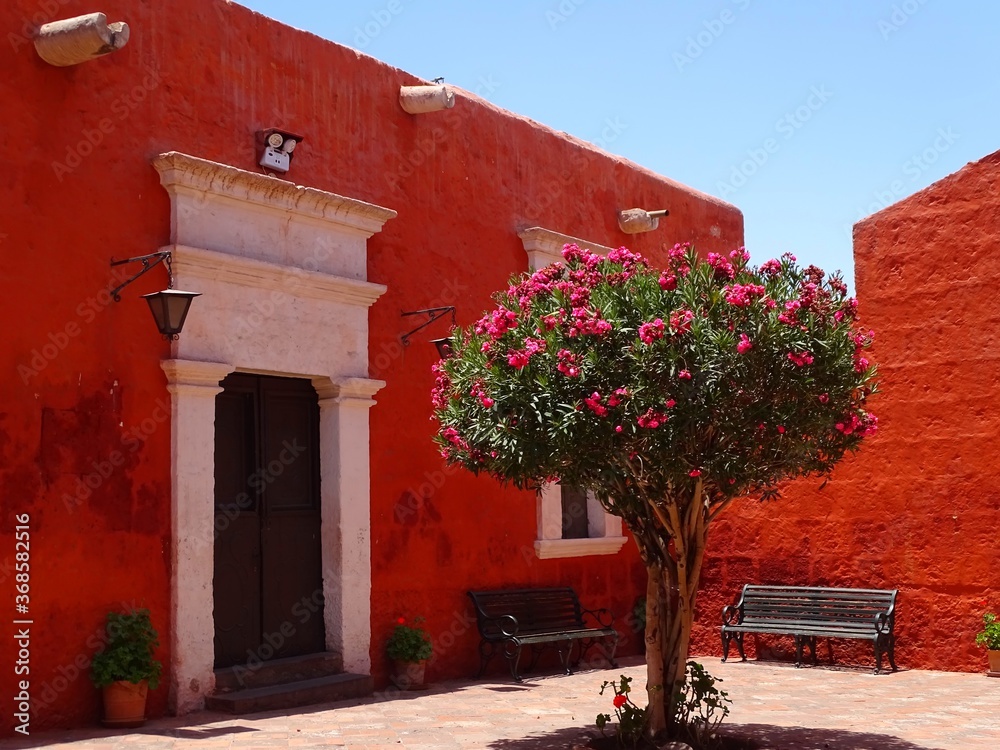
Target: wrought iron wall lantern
point(433, 313)
point(169, 307)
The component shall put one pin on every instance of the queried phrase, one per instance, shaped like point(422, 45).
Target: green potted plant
point(409, 648)
point(125, 668)
point(989, 638)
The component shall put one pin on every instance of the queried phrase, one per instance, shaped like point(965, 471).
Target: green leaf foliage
point(409, 642)
point(607, 373)
point(128, 652)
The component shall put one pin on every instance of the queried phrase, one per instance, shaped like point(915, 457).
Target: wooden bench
point(810, 613)
point(510, 619)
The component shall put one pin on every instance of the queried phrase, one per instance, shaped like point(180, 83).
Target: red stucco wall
point(79, 376)
point(917, 508)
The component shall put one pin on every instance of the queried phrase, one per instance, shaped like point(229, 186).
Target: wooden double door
point(268, 582)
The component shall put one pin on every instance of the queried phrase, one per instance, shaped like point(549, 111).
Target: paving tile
point(823, 707)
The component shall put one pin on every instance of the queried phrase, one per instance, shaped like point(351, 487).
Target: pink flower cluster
point(742, 295)
point(744, 344)
point(800, 359)
point(497, 323)
point(668, 282)
point(652, 419)
point(862, 339)
point(576, 290)
point(442, 389)
point(519, 358)
point(451, 435)
point(864, 425)
point(479, 392)
point(554, 320)
point(848, 310)
point(791, 315)
point(684, 375)
point(771, 267)
point(649, 332)
point(677, 258)
point(808, 294)
point(723, 268)
point(568, 363)
point(587, 323)
point(626, 257)
point(680, 321)
point(594, 403)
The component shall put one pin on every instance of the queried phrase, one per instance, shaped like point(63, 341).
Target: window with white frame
point(572, 523)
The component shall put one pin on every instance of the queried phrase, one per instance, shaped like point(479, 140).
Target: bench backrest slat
point(816, 606)
point(536, 610)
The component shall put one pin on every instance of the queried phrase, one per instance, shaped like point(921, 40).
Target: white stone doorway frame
point(282, 272)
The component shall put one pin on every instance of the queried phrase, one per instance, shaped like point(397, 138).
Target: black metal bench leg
point(879, 648)
point(725, 645)
point(536, 651)
point(798, 650)
point(513, 659)
point(739, 646)
point(565, 650)
point(485, 657)
point(812, 649)
point(892, 652)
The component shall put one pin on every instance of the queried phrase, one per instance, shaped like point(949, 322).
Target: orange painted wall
point(918, 507)
point(79, 375)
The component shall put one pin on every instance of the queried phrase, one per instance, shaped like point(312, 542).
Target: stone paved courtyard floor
point(821, 708)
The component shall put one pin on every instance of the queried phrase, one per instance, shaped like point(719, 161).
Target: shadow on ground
point(766, 737)
point(560, 739)
point(770, 737)
point(45, 739)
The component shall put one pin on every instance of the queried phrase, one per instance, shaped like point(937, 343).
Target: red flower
point(620, 700)
point(401, 620)
point(694, 473)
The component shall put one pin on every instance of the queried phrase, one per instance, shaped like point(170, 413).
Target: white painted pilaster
point(346, 526)
point(193, 387)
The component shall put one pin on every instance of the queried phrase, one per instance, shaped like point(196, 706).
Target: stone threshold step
point(278, 671)
point(327, 689)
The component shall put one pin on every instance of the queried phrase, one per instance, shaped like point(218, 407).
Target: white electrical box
point(275, 159)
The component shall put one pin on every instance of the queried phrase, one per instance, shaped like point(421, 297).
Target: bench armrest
point(603, 616)
point(883, 623)
point(507, 624)
point(732, 615)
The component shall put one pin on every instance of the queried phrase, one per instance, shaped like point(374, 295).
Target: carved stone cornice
point(184, 173)
point(192, 374)
point(352, 389)
point(544, 246)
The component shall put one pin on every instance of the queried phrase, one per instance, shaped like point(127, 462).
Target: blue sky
point(807, 115)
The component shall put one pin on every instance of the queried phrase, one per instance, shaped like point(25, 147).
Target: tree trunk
point(671, 593)
point(655, 611)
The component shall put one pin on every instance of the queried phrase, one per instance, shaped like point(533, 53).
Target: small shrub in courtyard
point(631, 719)
point(701, 707)
point(989, 636)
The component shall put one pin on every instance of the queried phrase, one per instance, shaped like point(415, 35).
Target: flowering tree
point(668, 394)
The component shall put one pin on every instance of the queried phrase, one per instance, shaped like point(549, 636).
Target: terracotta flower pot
point(994, 657)
point(125, 704)
point(408, 675)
